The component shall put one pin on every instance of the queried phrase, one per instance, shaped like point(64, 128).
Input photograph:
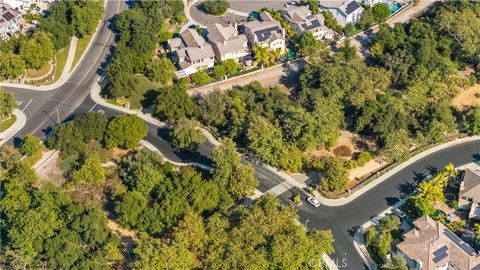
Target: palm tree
point(263, 55)
point(431, 191)
point(450, 171)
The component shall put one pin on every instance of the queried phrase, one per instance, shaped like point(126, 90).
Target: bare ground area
point(48, 170)
point(467, 98)
point(128, 239)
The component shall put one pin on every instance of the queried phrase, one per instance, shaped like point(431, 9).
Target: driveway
point(205, 19)
point(254, 5)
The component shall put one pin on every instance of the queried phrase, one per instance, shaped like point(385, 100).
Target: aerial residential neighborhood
point(221, 134)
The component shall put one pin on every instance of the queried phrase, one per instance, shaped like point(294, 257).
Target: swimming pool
point(394, 7)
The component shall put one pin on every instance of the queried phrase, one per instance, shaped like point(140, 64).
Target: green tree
point(230, 174)
point(30, 146)
point(389, 223)
point(187, 134)
point(215, 7)
point(313, 5)
point(381, 12)
point(86, 16)
point(125, 130)
point(7, 102)
point(334, 175)
point(383, 244)
point(129, 207)
point(174, 103)
point(350, 29)
point(160, 70)
point(396, 146)
point(371, 235)
point(396, 262)
point(37, 51)
point(231, 66)
point(91, 125)
point(472, 122)
point(9, 156)
point(264, 139)
point(11, 66)
point(309, 45)
point(201, 78)
point(91, 171)
point(219, 72)
point(368, 19)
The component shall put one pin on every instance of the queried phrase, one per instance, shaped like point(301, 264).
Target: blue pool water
point(394, 7)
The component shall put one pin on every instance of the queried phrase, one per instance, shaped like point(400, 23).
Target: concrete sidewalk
point(18, 125)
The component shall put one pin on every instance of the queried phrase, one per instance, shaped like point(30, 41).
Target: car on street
point(313, 201)
point(399, 213)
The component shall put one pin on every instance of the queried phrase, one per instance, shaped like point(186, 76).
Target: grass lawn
point(35, 73)
point(61, 60)
point(81, 47)
point(4, 124)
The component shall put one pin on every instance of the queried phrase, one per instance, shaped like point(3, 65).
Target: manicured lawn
point(61, 60)
point(4, 124)
point(81, 47)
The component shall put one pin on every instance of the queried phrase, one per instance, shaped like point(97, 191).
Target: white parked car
point(399, 213)
point(313, 201)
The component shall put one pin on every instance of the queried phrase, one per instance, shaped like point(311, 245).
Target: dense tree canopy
point(44, 228)
point(263, 236)
point(174, 103)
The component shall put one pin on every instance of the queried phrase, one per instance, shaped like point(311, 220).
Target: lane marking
point(24, 108)
point(103, 45)
point(93, 107)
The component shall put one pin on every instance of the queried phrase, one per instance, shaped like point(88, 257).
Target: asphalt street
point(73, 98)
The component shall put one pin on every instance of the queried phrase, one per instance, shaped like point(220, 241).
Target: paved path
point(12, 130)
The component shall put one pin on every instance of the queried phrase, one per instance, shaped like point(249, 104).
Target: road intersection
point(47, 108)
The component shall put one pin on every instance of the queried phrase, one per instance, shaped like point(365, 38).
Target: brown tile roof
point(470, 186)
point(433, 244)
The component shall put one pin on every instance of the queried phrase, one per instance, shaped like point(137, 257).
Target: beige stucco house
point(227, 43)
point(266, 33)
point(301, 19)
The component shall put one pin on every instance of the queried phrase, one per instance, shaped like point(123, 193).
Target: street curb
point(61, 81)
point(359, 241)
point(386, 176)
point(17, 126)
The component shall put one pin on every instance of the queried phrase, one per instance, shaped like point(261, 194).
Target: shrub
point(219, 72)
point(201, 78)
point(362, 158)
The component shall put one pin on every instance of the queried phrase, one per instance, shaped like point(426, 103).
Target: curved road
point(73, 98)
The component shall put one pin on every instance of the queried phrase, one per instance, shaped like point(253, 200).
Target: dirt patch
point(467, 98)
point(119, 153)
point(48, 170)
point(343, 151)
point(347, 140)
point(128, 239)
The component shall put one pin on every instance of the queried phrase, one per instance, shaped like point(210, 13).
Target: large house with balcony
point(344, 11)
point(227, 43)
point(266, 32)
point(191, 52)
point(11, 21)
point(301, 19)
